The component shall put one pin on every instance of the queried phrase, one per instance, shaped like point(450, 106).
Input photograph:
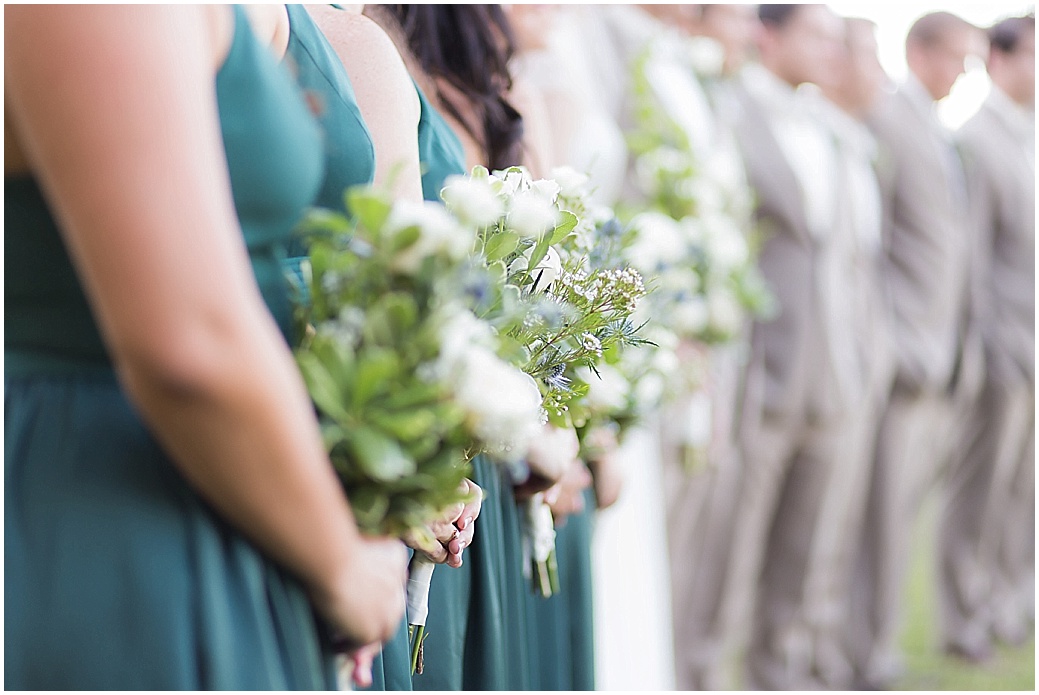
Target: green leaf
point(405, 238)
point(501, 245)
point(567, 225)
point(380, 457)
point(405, 426)
point(369, 208)
point(322, 387)
point(401, 310)
point(369, 506)
point(375, 371)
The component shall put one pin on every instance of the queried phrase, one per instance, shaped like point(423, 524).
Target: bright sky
point(893, 20)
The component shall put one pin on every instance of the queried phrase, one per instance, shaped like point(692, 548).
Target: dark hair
point(934, 26)
point(1006, 34)
point(469, 46)
point(776, 15)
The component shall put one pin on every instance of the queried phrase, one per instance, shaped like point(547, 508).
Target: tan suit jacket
point(792, 351)
point(998, 153)
point(925, 266)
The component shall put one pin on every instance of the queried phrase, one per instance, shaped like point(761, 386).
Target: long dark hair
point(469, 46)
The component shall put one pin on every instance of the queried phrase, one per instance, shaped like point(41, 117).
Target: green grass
point(927, 668)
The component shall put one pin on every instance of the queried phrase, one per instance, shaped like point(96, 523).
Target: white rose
point(513, 181)
point(439, 232)
point(607, 391)
point(530, 214)
point(472, 200)
point(458, 335)
point(547, 188)
point(571, 182)
point(502, 404)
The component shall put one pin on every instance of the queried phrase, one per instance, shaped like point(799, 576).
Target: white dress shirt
point(805, 144)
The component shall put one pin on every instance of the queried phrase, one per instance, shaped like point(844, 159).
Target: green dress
point(117, 574)
point(475, 627)
point(561, 636)
point(349, 161)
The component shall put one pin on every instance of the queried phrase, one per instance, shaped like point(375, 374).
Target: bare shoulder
point(355, 35)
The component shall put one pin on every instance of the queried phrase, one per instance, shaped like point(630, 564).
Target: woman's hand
point(606, 474)
point(453, 531)
point(567, 496)
point(549, 457)
point(365, 603)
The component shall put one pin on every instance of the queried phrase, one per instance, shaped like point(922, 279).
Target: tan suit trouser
point(908, 459)
point(986, 537)
point(791, 470)
point(701, 508)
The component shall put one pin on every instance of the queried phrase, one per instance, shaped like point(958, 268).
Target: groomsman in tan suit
point(926, 272)
point(987, 530)
point(807, 387)
point(862, 82)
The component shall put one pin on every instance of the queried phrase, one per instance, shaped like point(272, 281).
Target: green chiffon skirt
point(562, 648)
point(118, 576)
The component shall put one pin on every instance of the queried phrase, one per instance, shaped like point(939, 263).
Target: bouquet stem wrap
point(420, 574)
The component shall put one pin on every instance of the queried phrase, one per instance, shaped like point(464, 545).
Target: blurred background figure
point(927, 277)
point(799, 420)
point(860, 85)
point(987, 579)
point(701, 503)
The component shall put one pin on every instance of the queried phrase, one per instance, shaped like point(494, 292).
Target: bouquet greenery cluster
point(553, 309)
point(408, 383)
point(695, 228)
point(556, 309)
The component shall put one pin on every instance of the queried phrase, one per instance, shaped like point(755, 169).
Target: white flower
point(502, 404)
point(591, 343)
point(658, 242)
point(607, 392)
point(439, 232)
point(547, 188)
point(726, 313)
point(691, 316)
point(572, 183)
point(472, 200)
point(458, 335)
point(706, 56)
point(530, 214)
point(511, 181)
point(549, 269)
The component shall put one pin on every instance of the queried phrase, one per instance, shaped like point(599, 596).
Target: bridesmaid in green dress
point(171, 521)
point(478, 624)
point(435, 151)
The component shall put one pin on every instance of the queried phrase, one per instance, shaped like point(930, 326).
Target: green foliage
point(371, 337)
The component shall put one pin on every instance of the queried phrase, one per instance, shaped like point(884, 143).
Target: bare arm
point(385, 94)
point(128, 92)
